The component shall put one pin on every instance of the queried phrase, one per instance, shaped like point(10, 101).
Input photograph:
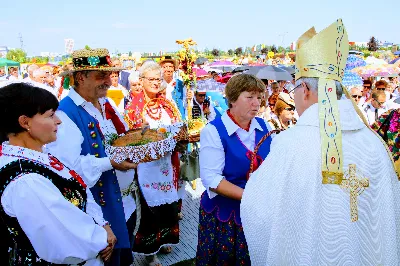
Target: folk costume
point(80, 144)
point(327, 194)
point(158, 181)
point(225, 153)
point(42, 212)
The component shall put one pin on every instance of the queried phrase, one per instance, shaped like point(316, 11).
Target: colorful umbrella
point(222, 63)
point(394, 60)
point(210, 85)
point(351, 79)
point(270, 72)
point(354, 61)
point(377, 71)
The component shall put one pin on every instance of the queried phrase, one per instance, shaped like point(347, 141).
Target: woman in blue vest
point(47, 214)
point(227, 146)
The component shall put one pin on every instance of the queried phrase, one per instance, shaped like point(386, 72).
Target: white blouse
point(67, 148)
point(212, 154)
point(59, 232)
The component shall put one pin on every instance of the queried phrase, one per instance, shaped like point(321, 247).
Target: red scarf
point(111, 114)
point(234, 121)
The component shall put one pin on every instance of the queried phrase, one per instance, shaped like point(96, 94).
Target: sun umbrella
point(374, 61)
point(394, 60)
point(354, 61)
point(222, 63)
point(200, 60)
point(289, 69)
point(377, 71)
point(200, 72)
point(351, 79)
point(270, 72)
point(397, 53)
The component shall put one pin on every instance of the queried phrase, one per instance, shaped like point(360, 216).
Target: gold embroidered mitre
point(324, 56)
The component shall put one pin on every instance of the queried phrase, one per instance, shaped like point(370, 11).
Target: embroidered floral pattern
point(160, 186)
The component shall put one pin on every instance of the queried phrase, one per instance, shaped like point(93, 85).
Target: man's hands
point(111, 240)
point(189, 95)
point(124, 166)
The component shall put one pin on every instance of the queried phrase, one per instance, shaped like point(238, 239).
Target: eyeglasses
point(292, 90)
point(380, 89)
point(356, 96)
point(290, 109)
point(157, 80)
point(379, 103)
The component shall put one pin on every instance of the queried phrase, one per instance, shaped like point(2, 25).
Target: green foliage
point(281, 49)
point(264, 50)
point(273, 49)
point(17, 55)
point(87, 47)
point(372, 44)
point(230, 52)
point(215, 52)
point(239, 51)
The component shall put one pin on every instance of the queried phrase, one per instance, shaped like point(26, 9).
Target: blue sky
point(153, 26)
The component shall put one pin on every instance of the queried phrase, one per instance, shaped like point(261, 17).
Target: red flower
point(108, 60)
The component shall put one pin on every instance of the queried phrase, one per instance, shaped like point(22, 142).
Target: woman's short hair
point(280, 105)
point(147, 67)
point(18, 99)
point(381, 83)
point(241, 83)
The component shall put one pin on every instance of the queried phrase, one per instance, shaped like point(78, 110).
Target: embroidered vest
point(196, 110)
point(237, 166)
point(106, 192)
point(16, 249)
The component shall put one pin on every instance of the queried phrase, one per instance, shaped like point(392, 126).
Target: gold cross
point(355, 186)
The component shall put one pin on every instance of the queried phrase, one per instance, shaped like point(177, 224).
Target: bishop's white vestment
point(290, 218)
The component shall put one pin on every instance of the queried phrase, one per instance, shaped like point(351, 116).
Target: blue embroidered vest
point(16, 248)
point(106, 192)
point(237, 166)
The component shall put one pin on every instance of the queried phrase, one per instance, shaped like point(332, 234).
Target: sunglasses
point(290, 109)
point(201, 95)
point(379, 103)
point(380, 89)
point(356, 96)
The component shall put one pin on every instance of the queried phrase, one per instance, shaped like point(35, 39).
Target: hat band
point(92, 62)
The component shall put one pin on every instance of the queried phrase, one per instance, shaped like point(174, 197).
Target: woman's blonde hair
point(241, 83)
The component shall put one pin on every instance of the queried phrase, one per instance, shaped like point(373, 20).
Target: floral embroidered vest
point(16, 249)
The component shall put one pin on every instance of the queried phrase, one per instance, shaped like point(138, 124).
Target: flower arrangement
point(187, 57)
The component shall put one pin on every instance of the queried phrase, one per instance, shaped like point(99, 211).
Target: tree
point(281, 49)
point(87, 47)
point(372, 44)
point(273, 49)
point(17, 55)
point(215, 52)
point(230, 52)
point(239, 51)
point(264, 50)
point(130, 53)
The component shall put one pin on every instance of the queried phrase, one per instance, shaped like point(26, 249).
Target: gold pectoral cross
point(355, 186)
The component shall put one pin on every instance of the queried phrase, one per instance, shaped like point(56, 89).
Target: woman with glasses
point(285, 111)
point(160, 187)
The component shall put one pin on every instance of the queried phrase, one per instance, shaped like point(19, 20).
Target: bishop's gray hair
point(312, 84)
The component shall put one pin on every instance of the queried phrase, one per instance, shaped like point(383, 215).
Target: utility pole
point(21, 41)
point(283, 38)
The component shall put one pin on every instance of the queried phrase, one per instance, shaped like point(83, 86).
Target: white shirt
point(59, 231)
point(67, 148)
point(212, 154)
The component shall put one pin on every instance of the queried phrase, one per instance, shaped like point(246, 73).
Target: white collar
point(349, 119)
point(24, 153)
point(75, 97)
point(231, 127)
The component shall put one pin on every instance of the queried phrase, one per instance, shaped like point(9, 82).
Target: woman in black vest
point(46, 214)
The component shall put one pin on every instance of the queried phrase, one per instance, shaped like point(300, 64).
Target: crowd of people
point(276, 159)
